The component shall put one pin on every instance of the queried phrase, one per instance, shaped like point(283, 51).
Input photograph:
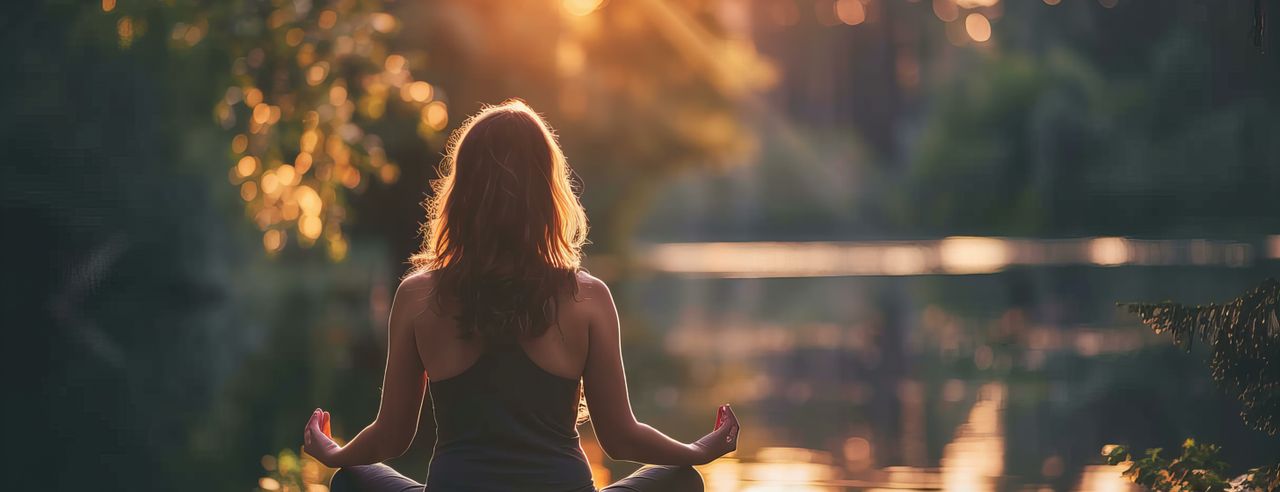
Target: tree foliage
point(1243, 337)
point(304, 81)
point(314, 95)
point(1196, 469)
point(1058, 128)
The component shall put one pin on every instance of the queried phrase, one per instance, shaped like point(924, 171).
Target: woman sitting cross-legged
point(509, 334)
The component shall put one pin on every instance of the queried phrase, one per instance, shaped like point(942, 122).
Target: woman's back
point(506, 411)
point(497, 322)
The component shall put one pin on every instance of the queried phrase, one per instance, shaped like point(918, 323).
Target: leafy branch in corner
point(1243, 337)
point(1197, 469)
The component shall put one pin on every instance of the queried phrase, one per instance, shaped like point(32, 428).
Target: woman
point(509, 334)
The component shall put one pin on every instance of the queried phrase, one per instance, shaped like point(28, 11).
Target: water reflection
point(975, 459)
point(953, 255)
point(973, 462)
point(927, 365)
point(774, 468)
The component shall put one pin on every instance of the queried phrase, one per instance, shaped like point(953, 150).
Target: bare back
point(561, 350)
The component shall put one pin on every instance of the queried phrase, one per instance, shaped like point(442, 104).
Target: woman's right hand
point(317, 439)
point(722, 440)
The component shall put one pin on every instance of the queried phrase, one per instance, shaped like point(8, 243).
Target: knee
point(664, 478)
point(342, 481)
point(686, 478)
point(682, 478)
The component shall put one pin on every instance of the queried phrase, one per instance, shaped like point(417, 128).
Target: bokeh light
point(978, 27)
point(324, 128)
point(946, 10)
point(851, 12)
point(581, 7)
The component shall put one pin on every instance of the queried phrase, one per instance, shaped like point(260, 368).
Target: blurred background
point(892, 233)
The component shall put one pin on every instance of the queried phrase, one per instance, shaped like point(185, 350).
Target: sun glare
point(581, 7)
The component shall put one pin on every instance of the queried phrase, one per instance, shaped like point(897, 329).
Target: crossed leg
point(382, 478)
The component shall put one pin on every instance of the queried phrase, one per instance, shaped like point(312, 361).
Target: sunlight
point(581, 7)
point(974, 254)
point(1109, 251)
point(974, 461)
point(773, 468)
point(959, 255)
point(1103, 478)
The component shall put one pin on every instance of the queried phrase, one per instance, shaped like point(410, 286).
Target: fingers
point(326, 427)
point(729, 416)
point(726, 419)
point(313, 426)
point(306, 430)
point(731, 423)
point(314, 423)
point(722, 416)
point(726, 416)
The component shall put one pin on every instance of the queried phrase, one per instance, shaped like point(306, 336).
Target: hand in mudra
point(723, 439)
point(317, 438)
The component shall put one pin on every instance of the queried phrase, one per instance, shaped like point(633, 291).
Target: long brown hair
point(504, 230)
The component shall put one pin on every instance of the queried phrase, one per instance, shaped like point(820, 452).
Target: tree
point(299, 86)
point(642, 89)
point(1059, 127)
point(1243, 337)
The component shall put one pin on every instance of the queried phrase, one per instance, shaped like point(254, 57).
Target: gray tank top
point(506, 424)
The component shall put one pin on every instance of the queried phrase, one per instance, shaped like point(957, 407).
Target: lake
point(951, 364)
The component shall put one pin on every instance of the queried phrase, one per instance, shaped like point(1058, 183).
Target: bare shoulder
point(590, 287)
point(414, 294)
point(593, 293)
point(418, 281)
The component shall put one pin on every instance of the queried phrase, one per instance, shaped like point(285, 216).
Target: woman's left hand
point(317, 440)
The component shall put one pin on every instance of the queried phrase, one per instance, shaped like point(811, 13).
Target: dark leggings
point(382, 478)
